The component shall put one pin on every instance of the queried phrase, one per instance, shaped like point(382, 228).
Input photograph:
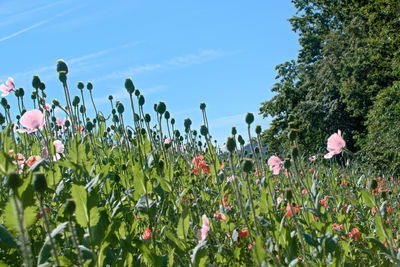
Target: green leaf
point(176, 240)
point(94, 216)
point(6, 238)
point(199, 255)
point(164, 184)
point(380, 230)
point(368, 199)
point(183, 224)
point(138, 180)
point(260, 252)
point(11, 217)
point(45, 251)
point(79, 194)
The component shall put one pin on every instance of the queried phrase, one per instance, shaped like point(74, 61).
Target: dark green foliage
point(349, 58)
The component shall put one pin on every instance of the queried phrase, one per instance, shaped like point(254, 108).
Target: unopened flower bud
point(76, 101)
point(141, 100)
point(67, 123)
point(167, 115)
point(172, 121)
point(39, 182)
point(129, 86)
point(258, 129)
point(147, 117)
point(89, 86)
point(82, 109)
point(42, 86)
point(234, 131)
point(120, 108)
point(14, 180)
point(187, 122)
point(231, 144)
point(161, 107)
point(241, 140)
point(21, 92)
point(137, 92)
point(70, 207)
point(2, 119)
point(247, 165)
point(203, 130)
point(249, 118)
point(203, 106)
point(89, 126)
point(177, 133)
point(62, 66)
point(81, 85)
point(36, 82)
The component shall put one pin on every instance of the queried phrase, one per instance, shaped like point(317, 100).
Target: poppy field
point(94, 191)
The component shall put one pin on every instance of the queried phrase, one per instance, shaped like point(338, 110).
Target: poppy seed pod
point(129, 86)
point(39, 182)
point(258, 129)
point(137, 92)
point(234, 131)
point(14, 181)
point(89, 86)
point(82, 109)
point(89, 126)
point(177, 133)
point(167, 115)
point(241, 140)
point(4, 102)
point(70, 207)
point(199, 143)
point(36, 82)
point(80, 85)
point(194, 132)
point(231, 144)
point(115, 119)
point(21, 92)
point(155, 107)
point(42, 86)
point(249, 118)
point(55, 102)
point(62, 76)
point(172, 121)
point(76, 101)
point(16, 93)
point(67, 123)
point(161, 107)
point(203, 130)
point(141, 100)
point(187, 122)
point(247, 165)
point(120, 108)
point(202, 106)
point(147, 117)
point(143, 131)
point(62, 66)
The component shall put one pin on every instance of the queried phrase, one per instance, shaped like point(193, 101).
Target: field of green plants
point(81, 191)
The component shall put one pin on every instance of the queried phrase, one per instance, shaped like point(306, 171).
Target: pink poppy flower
point(167, 141)
point(59, 146)
point(8, 87)
point(313, 158)
point(275, 164)
point(335, 144)
point(48, 107)
point(32, 160)
point(204, 229)
point(60, 122)
point(33, 120)
point(147, 234)
point(220, 216)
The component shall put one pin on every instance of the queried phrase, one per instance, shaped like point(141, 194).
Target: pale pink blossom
point(313, 158)
point(167, 141)
point(220, 216)
point(230, 178)
point(33, 120)
point(202, 234)
point(60, 122)
point(59, 146)
point(335, 145)
point(275, 164)
point(48, 107)
point(8, 87)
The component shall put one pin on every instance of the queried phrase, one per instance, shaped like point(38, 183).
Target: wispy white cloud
point(230, 120)
point(189, 59)
point(35, 25)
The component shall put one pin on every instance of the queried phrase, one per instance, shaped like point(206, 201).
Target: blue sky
point(221, 52)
